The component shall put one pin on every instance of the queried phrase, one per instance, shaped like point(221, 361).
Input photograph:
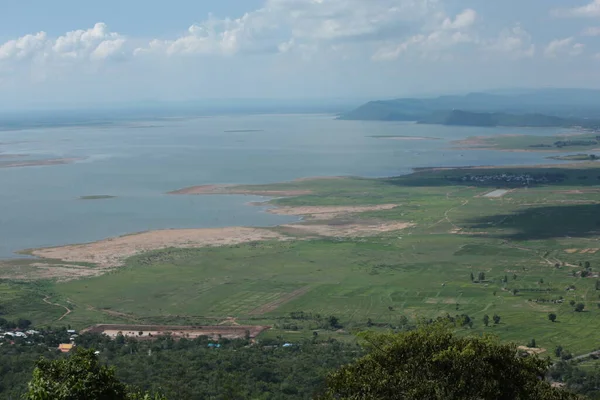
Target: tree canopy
point(79, 377)
point(433, 363)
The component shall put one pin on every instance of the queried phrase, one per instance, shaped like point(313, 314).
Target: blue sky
point(68, 52)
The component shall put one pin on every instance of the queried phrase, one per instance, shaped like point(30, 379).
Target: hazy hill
point(544, 107)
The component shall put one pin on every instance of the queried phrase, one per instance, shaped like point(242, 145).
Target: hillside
point(541, 108)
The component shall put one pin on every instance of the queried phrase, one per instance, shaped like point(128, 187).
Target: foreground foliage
point(79, 377)
point(185, 369)
point(432, 363)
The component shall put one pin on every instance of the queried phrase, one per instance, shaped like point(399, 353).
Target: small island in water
point(97, 197)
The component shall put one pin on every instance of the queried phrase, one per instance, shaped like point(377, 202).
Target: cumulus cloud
point(462, 21)
point(447, 34)
point(282, 25)
point(24, 47)
point(590, 10)
point(515, 42)
point(96, 44)
point(563, 47)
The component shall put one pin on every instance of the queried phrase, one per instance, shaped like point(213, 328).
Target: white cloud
point(563, 47)
point(95, 44)
point(462, 21)
point(590, 10)
point(308, 22)
point(591, 31)
point(515, 42)
point(447, 34)
point(24, 47)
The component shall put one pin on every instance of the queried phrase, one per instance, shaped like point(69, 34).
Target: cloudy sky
point(68, 51)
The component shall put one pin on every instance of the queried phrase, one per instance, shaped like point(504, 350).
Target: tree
point(432, 363)
point(552, 317)
point(80, 376)
point(515, 277)
point(572, 302)
point(505, 279)
point(496, 318)
point(515, 291)
point(587, 265)
point(486, 320)
point(333, 322)
point(597, 285)
point(472, 277)
point(579, 307)
point(558, 351)
point(481, 276)
point(532, 344)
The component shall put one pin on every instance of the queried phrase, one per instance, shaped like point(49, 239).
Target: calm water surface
point(139, 162)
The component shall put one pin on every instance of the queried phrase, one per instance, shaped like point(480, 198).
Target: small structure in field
point(66, 347)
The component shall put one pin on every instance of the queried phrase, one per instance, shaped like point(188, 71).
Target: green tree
point(333, 322)
point(486, 320)
point(472, 277)
point(597, 285)
point(558, 351)
point(78, 377)
point(496, 318)
point(481, 276)
point(579, 307)
point(532, 344)
point(552, 317)
point(432, 363)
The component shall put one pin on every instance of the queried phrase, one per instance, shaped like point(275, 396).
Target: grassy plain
point(535, 237)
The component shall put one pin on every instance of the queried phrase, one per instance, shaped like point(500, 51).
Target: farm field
point(520, 256)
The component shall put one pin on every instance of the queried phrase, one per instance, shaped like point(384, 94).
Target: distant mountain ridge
point(537, 108)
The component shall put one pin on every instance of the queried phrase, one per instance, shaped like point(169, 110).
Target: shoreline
point(38, 163)
point(314, 222)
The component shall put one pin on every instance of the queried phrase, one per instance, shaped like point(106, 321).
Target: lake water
point(139, 162)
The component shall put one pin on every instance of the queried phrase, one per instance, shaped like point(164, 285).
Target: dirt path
point(45, 300)
point(265, 308)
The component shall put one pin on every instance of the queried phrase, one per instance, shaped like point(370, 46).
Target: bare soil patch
point(112, 252)
point(532, 350)
point(327, 213)
point(349, 229)
point(153, 331)
point(273, 305)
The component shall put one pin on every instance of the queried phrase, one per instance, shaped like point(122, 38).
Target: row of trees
point(427, 363)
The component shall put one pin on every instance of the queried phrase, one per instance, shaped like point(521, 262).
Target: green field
point(534, 236)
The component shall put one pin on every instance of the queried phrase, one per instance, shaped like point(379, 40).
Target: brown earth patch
point(571, 251)
point(286, 298)
point(348, 229)
point(327, 213)
point(152, 331)
point(532, 350)
point(112, 252)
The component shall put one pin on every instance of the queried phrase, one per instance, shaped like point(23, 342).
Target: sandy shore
point(231, 189)
point(112, 252)
point(35, 163)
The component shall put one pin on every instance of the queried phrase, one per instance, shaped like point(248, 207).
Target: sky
point(73, 52)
